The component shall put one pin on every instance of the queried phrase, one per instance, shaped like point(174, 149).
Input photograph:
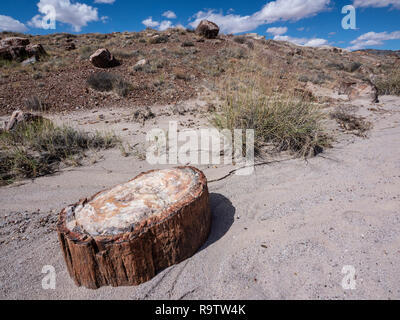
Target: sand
point(285, 232)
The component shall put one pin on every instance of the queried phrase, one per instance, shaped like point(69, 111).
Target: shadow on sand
point(223, 216)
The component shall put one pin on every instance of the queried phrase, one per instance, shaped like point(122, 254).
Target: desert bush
point(250, 44)
point(181, 75)
point(159, 39)
point(8, 63)
point(125, 54)
point(286, 122)
point(353, 67)
point(334, 65)
point(351, 123)
point(238, 53)
point(240, 39)
point(244, 40)
point(34, 103)
point(390, 84)
point(106, 81)
point(187, 44)
point(86, 51)
point(316, 78)
point(38, 148)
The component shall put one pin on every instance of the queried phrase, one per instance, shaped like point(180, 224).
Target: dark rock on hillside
point(207, 29)
point(103, 58)
point(19, 49)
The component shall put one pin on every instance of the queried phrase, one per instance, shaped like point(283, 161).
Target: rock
point(19, 117)
point(254, 36)
point(102, 58)
point(5, 53)
point(29, 61)
point(125, 235)
point(36, 50)
point(14, 42)
point(20, 49)
point(143, 114)
point(70, 46)
point(359, 90)
point(207, 29)
point(141, 63)
point(14, 53)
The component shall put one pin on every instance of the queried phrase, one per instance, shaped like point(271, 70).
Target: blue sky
point(305, 22)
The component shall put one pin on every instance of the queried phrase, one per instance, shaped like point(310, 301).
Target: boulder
point(20, 49)
point(359, 90)
point(14, 42)
point(207, 29)
point(35, 50)
point(103, 58)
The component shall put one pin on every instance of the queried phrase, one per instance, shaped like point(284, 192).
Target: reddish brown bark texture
point(133, 258)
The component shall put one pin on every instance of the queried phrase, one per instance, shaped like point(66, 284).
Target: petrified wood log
point(125, 235)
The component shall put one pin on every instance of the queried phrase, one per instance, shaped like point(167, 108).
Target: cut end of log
point(125, 235)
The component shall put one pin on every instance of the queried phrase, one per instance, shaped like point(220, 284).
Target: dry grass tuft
point(266, 103)
point(106, 81)
point(38, 148)
point(351, 123)
point(391, 84)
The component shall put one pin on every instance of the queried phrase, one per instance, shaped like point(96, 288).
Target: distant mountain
point(382, 52)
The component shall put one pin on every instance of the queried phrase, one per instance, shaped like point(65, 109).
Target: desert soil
point(285, 232)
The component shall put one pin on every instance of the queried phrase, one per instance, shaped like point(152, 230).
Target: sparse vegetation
point(106, 81)
point(390, 84)
point(34, 103)
point(38, 148)
point(284, 121)
point(85, 52)
point(351, 123)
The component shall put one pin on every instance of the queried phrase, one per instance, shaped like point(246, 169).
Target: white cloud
point(161, 26)
point(277, 31)
point(104, 1)
point(278, 10)
point(314, 42)
point(150, 23)
point(373, 39)
point(10, 24)
point(77, 14)
point(164, 25)
point(169, 14)
point(377, 3)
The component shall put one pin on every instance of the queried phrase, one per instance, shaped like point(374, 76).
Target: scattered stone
point(70, 46)
point(207, 29)
point(19, 49)
point(19, 117)
point(141, 63)
point(102, 58)
point(142, 115)
point(29, 61)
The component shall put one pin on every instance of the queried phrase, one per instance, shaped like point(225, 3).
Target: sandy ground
point(285, 232)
